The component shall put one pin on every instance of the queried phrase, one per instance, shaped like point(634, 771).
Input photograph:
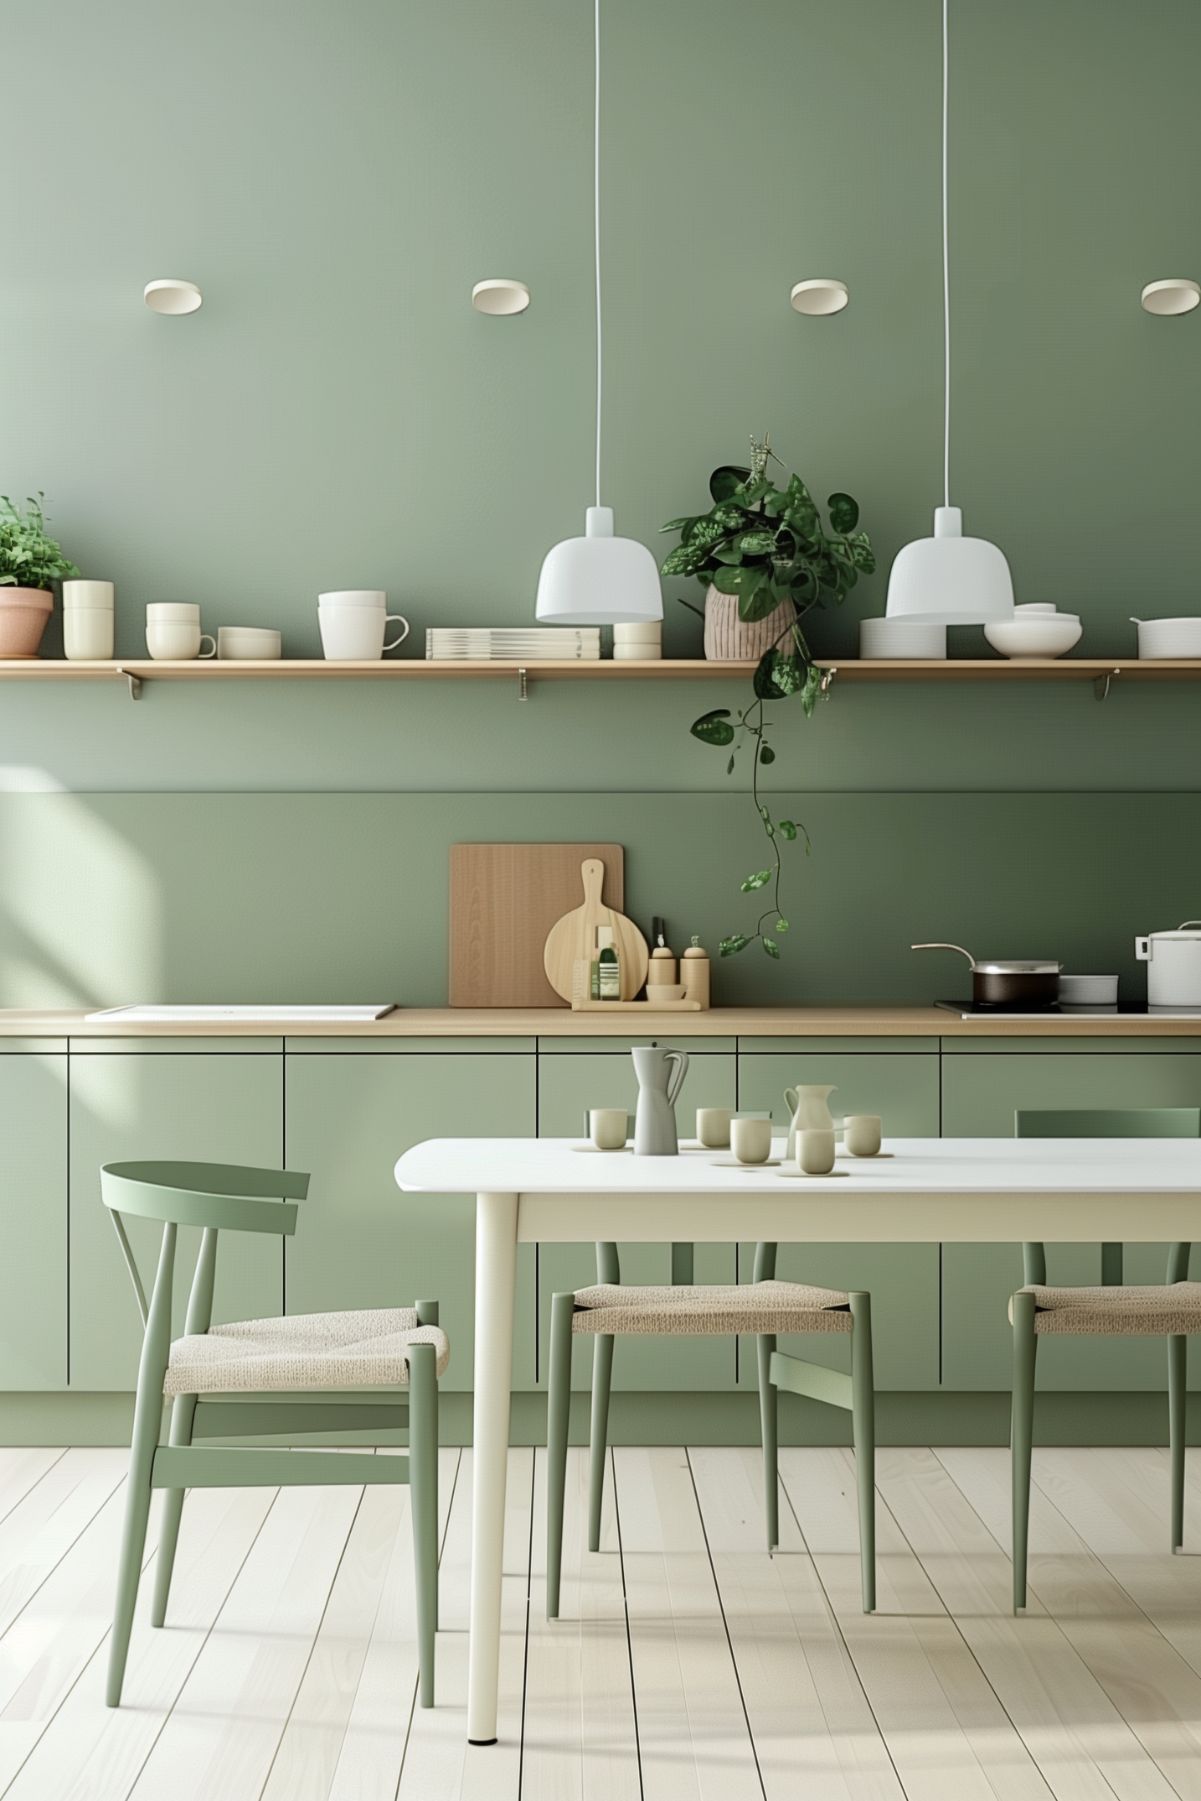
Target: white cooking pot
point(1173, 962)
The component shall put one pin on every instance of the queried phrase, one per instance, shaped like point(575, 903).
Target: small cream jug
point(810, 1110)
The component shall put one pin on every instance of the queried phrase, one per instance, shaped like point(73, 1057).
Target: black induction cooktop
point(1059, 1010)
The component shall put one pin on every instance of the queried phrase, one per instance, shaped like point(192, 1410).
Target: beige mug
point(750, 1137)
point(861, 1134)
point(713, 1127)
point(815, 1150)
point(608, 1127)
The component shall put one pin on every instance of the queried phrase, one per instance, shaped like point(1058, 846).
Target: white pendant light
point(598, 579)
point(949, 578)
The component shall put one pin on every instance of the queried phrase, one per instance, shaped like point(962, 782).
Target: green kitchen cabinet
point(219, 1107)
point(568, 1084)
point(33, 1220)
point(902, 1087)
point(981, 1093)
point(360, 1241)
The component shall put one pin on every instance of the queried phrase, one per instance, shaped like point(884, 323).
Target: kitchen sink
point(284, 1016)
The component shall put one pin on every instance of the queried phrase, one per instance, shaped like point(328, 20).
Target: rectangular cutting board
point(504, 899)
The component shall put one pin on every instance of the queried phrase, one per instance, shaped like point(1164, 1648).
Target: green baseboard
point(695, 1419)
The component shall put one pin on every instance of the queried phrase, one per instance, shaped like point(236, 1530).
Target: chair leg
point(1111, 1265)
point(1025, 1349)
point(769, 1411)
point(147, 1423)
point(1177, 1403)
point(558, 1414)
point(598, 1434)
point(1034, 1265)
point(183, 1412)
point(423, 1502)
point(427, 1315)
point(863, 1434)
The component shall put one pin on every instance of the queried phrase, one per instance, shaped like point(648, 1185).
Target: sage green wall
point(336, 176)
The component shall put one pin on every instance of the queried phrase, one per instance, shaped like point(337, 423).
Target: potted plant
point(766, 559)
point(29, 561)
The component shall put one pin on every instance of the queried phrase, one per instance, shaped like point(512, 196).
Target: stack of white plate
point(1165, 638)
point(883, 639)
point(516, 644)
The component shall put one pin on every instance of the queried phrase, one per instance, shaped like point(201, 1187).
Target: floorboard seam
point(625, 1607)
point(725, 1625)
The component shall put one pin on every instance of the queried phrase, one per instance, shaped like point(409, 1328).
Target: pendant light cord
point(596, 230)
point(946, 274)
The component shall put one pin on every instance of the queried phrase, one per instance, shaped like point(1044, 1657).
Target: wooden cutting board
point(574, 937)
point(504, 899)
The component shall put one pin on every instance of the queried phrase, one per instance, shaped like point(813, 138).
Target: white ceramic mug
point(713, 1127)
point(178, 641)
point(355, 597)
point(750, 1137)
point(608, 1127)
point(355, 634)
point(161, 612)
point(249, 644)
point(100, 595)
point(861, 1134)
point(88, 633)
point(815, 1150)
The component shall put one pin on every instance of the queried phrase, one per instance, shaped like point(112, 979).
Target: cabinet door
point(33, 1220)
point(568, 1084)
point(215, 1107)
point(360, 1241)
point(902, 1279)
point(981, 1093)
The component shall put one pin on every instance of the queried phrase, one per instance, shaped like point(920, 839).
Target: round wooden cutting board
point(574, 937)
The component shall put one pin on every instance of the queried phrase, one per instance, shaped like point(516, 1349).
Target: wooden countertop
point(553, 1022)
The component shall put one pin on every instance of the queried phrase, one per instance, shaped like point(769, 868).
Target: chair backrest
point(1108, 1122)
point(214, 1196)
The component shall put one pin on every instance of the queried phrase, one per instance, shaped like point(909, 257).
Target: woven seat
point(622, 1309)
point(365, 1349)
point(1162, 1310)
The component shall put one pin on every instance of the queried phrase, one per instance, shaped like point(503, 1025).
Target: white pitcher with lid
point(809, 1106)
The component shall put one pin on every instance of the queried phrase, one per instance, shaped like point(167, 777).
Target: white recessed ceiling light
point(820, 298)
point(1179, 295)
point(173, 296)
point(501, 297)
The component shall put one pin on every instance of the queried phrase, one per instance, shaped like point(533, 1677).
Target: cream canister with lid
point(1173, 962)
point(694, 973)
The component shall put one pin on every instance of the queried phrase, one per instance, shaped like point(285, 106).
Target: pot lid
point(1190, 930)
point(995, 966)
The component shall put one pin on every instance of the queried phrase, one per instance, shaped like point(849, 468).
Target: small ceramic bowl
point(1035, 634)
point(1088, 991)
point(664, 991)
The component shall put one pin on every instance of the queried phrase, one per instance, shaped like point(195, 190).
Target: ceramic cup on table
point(861, 1134)
point(88, 634)
point(353, 633)
point(88, 596)
point(249, 644)
point(750, 1137)
point(815, 1150)
point(608, 1127)
point(713, 1127)
point(173, 632)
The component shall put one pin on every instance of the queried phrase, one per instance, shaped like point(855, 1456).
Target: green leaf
point(685, 559)
point(739, 579)
point(763, 680)
point(760, 879)
point(844, 512)
point(757, 602)
point(788, 828)
point(811, 691)
point(679, 525)
point(724, 481)
point(766, 754)
point(714, 727)
point(771, 947)
point(730, 765)
point(788, 672)
point(729, 947)
point(862, 554)
point(757, 544)
point(781, 925)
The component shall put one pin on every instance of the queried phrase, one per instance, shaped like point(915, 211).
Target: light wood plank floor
point(688, 1665)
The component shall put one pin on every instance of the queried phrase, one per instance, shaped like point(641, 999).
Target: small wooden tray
point(684, 1006)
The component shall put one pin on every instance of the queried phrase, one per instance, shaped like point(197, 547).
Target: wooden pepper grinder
point(694, 973)
point(661, 970)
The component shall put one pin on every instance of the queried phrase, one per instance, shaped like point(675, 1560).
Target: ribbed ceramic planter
point(23, 616)
point(730, 639)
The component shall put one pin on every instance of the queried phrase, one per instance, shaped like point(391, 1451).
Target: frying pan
point(1006, 982)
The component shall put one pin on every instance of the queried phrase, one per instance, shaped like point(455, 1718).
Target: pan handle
point(945, 947)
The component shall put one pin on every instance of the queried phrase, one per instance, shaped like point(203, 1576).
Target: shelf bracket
point(1101, 684)
point(523, 685)
point(827, 680)
point(135, 683)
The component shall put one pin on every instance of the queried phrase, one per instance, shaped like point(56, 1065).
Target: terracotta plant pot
point(729, 639)
point(23, 616)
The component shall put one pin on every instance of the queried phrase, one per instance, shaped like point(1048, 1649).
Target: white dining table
point(921, 1190)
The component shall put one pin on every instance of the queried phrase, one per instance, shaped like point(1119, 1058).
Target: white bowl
point(1088, 991)
point(882, 639)
point(1168, 637)
point(1036, 607)
point(1034, 635)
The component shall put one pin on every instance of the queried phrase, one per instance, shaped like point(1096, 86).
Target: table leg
point(495, 1277)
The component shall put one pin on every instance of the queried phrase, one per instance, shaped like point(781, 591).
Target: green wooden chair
point(764, 1307)
point(272, 1378)
point(1109, 1311)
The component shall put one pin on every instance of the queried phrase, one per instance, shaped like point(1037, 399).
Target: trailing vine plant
point(769, 546)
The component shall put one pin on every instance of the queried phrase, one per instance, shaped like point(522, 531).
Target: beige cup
point(750, 1138)
point(861, 1134)
point(177, 641)
point(607, 1127)
point(88, 634)
point(713, 1127)
point(815, 1150)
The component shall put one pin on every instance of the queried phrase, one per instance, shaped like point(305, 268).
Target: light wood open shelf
point(840, 670)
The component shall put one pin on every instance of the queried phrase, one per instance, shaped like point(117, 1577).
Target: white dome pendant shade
point(948, 578)
point(598, 579)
